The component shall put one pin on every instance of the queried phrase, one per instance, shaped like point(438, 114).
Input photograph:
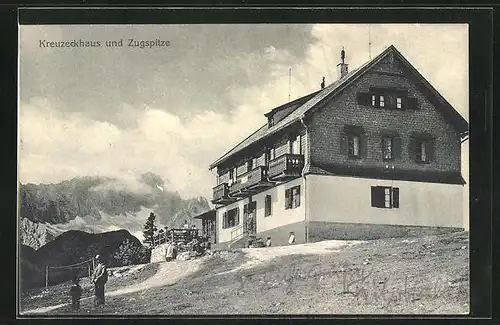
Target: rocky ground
point(427, 275)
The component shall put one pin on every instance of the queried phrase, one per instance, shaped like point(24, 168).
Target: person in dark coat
point(99, 278)
point(76, 294)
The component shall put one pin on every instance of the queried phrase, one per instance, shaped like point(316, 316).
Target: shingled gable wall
point(327, 123)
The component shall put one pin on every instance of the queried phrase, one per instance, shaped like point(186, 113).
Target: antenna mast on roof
point(370, 41)
point(289, 82)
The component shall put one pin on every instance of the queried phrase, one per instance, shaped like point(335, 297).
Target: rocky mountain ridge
point(99, 204)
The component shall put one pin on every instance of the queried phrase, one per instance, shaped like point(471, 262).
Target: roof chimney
point(342, 66)
point(323, 83)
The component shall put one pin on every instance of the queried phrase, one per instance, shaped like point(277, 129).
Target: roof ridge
point(334, 87)
point(321, 93)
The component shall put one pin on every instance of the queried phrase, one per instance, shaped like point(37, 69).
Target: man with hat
point(99, 278)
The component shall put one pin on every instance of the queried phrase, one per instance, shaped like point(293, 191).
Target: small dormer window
point(381, 101)
point(270, 121)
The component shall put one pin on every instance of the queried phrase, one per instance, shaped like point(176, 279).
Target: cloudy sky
point(174, 110)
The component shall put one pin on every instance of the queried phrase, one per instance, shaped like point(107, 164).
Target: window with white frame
point(399, 102)
point(353, 145)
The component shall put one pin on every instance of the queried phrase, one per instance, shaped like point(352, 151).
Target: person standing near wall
point(99, 278)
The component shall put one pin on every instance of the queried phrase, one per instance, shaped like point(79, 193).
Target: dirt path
point(167, 274)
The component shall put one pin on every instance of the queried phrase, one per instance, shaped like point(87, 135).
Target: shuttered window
point(422, 150)
point(395, 197)
point(412, 103)
point(288, 199)
point(391, 146)
point(231, 218)
point(387, 98)
point(268, 206)
point(384, 197)
point(365, 99)
point(353, 142)
point(292, 197)
point(295, 196)
point(353, 145)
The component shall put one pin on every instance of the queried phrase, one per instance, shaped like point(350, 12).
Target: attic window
point(270, 121)
point(388, 98)
point(399, 102)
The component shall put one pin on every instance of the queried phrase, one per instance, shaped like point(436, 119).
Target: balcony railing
point(221, 194)
point(251, 180)
point(286, 166)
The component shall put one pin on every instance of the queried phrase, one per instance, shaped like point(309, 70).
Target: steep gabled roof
point(446, 109)
point(298, 101)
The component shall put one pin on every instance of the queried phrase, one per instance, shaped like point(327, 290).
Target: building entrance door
point(250, 218)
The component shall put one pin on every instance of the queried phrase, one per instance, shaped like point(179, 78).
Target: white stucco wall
point(279, 217)
point(348, 199)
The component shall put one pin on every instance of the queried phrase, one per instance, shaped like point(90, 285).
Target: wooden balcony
point(221, 194)
point(250, 183)
point(285, 167)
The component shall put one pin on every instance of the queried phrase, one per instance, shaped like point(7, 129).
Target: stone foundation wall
point(351, 231)
point(279, 236)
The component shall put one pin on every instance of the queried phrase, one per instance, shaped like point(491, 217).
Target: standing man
point(99, 278)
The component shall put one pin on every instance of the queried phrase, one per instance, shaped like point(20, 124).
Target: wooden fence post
point(46, 276)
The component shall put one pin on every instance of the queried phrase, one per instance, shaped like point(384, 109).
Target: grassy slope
point(412, 276)
point(59, 294)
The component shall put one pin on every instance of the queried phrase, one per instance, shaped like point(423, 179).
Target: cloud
point(132, 223)
point(154, 136)
point(124, 184)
